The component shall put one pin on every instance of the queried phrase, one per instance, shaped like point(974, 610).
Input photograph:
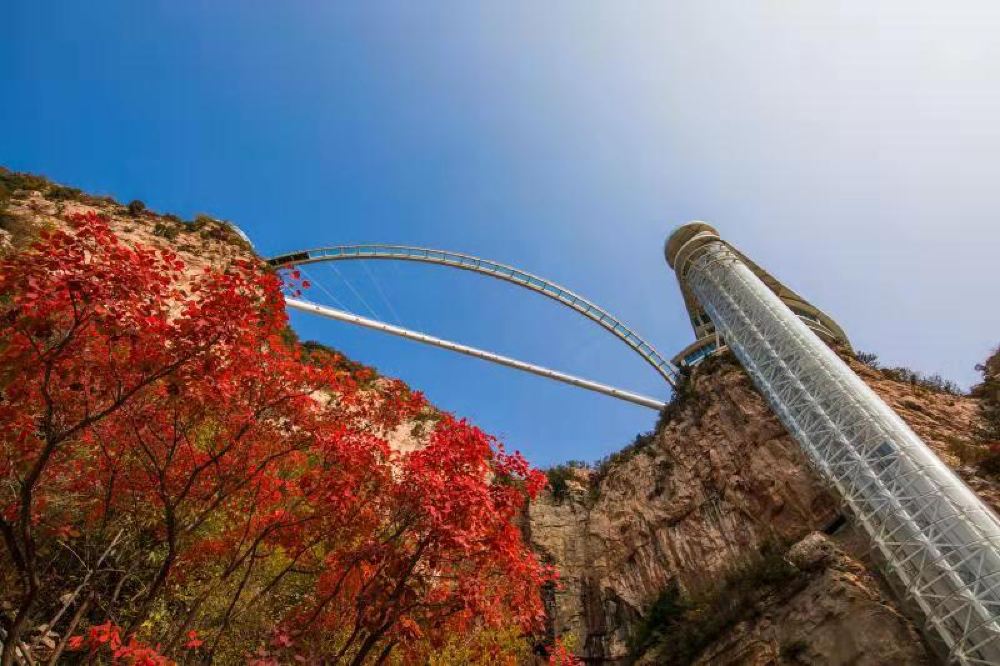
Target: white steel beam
point(340, 315)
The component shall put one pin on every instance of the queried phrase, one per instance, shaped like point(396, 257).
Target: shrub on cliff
point(868, 358)
point(934, 382)
point(166, 230)
point(989, 394)
point(680, 624)
point(559, 478)
point(13, 181)
point(63, 193)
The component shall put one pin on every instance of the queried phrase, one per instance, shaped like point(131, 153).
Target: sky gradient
point(850, 148)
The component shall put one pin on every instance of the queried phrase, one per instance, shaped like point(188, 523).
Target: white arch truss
point(495, 270)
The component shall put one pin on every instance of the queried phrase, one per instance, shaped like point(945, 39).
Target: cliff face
point(31, 204)
point(716, 483)
point(205, 243)
point(836, 615)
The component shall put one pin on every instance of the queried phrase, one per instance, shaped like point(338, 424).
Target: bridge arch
point(495, 270)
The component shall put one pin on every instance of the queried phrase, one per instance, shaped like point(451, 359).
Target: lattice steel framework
point(496, 270)
point(938, 542)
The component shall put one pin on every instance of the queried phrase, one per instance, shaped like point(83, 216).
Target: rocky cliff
point(660, 548)
point(31, 204)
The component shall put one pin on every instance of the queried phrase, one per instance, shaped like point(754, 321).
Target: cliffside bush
point(680, 624)
point(559, 477)
point(868, 358)
point(638, 445)
point(63, 193)
point(20, 233)
point(934, 382)
point(13, 181)
point(175, 479)
point(989, 394)
point(167, 230)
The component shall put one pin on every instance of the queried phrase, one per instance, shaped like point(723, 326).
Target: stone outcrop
point(840, 616)
point(719, 479)
point(208, 243)
point(203, 243)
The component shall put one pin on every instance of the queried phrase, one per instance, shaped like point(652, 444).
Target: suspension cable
point(322, 287)
point(382, 294)
point(355, 292)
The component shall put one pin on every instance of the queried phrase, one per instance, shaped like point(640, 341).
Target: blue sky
point(851, 148)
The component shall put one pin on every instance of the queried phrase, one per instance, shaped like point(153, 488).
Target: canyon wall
point(691, 504)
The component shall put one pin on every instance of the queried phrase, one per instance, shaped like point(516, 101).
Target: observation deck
point(678, 250)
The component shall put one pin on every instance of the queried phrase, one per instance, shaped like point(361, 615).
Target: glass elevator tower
point(938, 542)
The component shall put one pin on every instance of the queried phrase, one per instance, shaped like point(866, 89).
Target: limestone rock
point(716, 481)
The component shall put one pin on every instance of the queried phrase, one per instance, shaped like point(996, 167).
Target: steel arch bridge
point(492, 269)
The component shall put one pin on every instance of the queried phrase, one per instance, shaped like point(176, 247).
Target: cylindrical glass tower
point(936, 538)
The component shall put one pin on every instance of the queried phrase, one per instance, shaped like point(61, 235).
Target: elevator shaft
point(938, 542)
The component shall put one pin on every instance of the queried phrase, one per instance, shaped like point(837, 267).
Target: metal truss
point(496, 270)
point(937, 541)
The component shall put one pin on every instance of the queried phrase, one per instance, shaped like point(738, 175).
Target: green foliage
point(560, 475)
point(168, 231)
point(21, 231)
point(666, 613)
point(990, 465)
point(424, 421)
point(63, 193)
point(169, 226)
point(968, 452)
point(685, 399)
point(136, 208)
point(989, 394)
point(682, 396)
point(289, 336)
point(13, 181)
point(680, 624)
point(868, 358)
point(200, 222)
point(211, 228)
point(4, 198)
point(639, 445)
point(935, 382)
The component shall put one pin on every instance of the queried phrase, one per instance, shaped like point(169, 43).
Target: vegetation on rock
point(560, 478)
point(934, 382)
point(680, 623)
point(989, 393)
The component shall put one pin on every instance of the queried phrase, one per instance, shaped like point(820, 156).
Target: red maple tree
point(170, 459)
